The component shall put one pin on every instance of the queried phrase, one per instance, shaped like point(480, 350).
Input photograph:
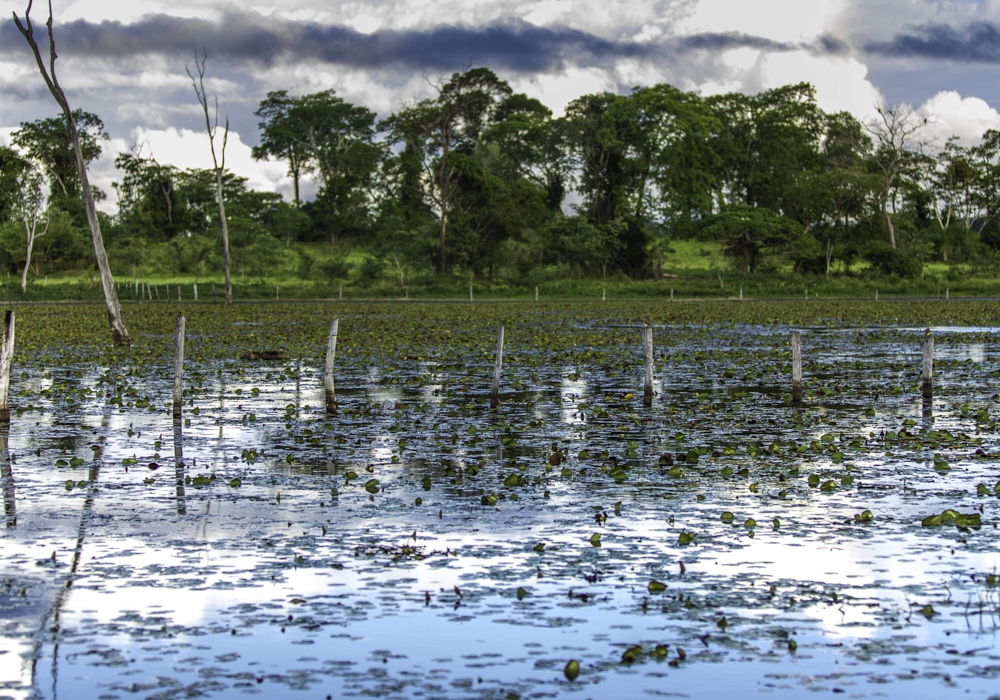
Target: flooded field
point(570, 543)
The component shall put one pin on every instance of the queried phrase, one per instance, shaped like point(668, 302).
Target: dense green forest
point(473, 183)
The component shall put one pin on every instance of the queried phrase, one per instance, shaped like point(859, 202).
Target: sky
point(125, 60)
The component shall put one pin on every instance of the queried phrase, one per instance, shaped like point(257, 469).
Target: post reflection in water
point(179, 466)
point(7, 477)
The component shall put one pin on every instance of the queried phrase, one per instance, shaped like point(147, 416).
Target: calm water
point(128, 571)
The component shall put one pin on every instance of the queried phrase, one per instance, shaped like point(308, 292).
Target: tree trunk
point(27, 260)
point(225, 236)
point(444, 228)
point(119, 334)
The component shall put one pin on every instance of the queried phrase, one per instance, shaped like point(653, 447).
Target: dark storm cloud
point(512, 45)
point(978, 42)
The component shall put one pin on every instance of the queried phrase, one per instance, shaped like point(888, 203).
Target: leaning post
point(179, 367)
point(647, 356)
point(331, 353)
point(796, 366)
point(497, 368)
point(927, 372)
point(6, 358)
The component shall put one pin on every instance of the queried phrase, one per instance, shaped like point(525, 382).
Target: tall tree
point(30, 209)
point(451, 122)
point(119, 334)
point(895, 130)
point(281, 135)
point(219, 165)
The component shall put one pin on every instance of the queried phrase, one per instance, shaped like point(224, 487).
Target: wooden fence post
point(470, 291)
point(536, 292)
point(927, 372)
point(497, 368)
point(331, 353)
point(796, 366)
point(647, 356)
point(6, 358)
point(179, 367)
point(194, 288)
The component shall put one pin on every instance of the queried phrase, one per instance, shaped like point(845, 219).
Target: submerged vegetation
point(416, 542)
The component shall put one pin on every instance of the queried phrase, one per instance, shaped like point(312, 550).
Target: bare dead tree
point(31, 208)
point(118, 333)
point(212, 126)
point(894, 130)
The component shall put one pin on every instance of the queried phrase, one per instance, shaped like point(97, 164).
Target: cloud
point(513, 45)
point(949, 114)
point(978, 42)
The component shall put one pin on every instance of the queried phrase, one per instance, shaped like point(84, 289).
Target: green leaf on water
point(864, 517)
point(727, 517)
point(61, 463)
point(521, 593)
point(75, 462)
point(235, 483)
point(488, 500)
point(750, 523)
point(792, 646)
point(828, 485)
point(631, 654)
point(418, 501)
point(70, 484)
point(371, 486)
point(813, 480)
point(931, 521)
point(927, 611)
point(351, 475)
point(727, 471)
point(540, 547)
point(685, 538)
point(776, 523)
point(660, 651)
point(982, 490)
point(595, 539)
point(572, 670)
point(656, 587)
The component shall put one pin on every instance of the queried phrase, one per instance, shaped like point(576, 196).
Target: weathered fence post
point(213, 292)
point(277, 292)
point(194, 289)
point(156, 288)
point(331, 353)
point(6, 357)
point(647, 356)
point(470, 291)
point(796, 366)
point(947, 294)
point(536, 292)
point(179, 367)
point(497, 368)
point(876, 295)
point(340, 294)
point(604, 293)
point(927, 372)
point(167, 293)
point(178, 292)
point(671, 294)
point(741, 293)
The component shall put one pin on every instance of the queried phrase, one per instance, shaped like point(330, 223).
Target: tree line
point(474, 180)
